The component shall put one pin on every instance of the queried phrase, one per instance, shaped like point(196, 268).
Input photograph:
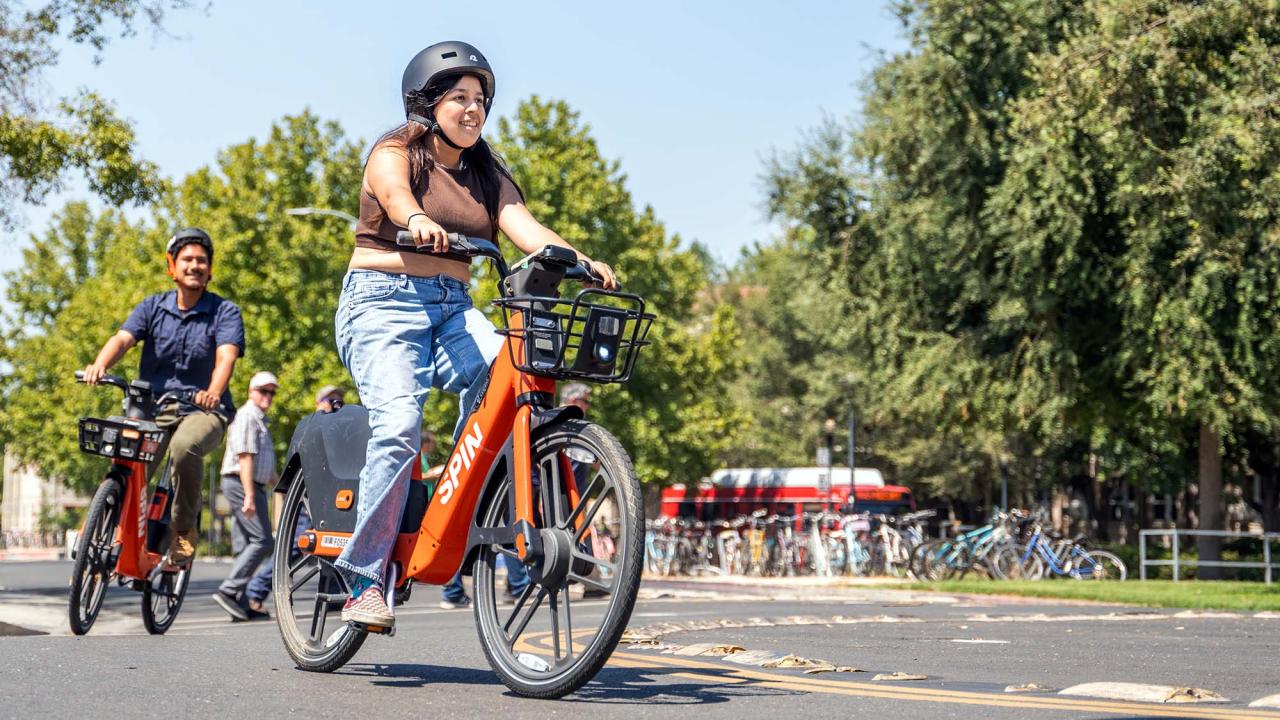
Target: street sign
point(824, 457)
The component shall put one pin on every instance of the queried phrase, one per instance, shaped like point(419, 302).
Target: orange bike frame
point(434, 554)
point(131, 529)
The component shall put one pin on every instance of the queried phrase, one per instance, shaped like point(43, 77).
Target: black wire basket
point(595, 337)
point(121, 438)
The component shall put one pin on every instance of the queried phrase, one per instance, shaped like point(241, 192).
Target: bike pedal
point(373, 629)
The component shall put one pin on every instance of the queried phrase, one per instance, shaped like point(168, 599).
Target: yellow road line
point(951, 696)
point(728, 674)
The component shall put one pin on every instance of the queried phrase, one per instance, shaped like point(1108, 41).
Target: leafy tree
point(38, 147)
point(1156, 160)
point(1064, 261)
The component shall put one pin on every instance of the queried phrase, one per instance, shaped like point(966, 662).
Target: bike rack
point(1177, 562)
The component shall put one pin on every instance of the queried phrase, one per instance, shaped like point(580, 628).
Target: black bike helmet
point(442, 60)
point(185, 237)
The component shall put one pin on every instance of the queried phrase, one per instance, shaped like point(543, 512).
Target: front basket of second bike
point(596, 336)
point(121, 438)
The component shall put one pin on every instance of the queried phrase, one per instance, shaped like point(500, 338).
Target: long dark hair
point(413, 137)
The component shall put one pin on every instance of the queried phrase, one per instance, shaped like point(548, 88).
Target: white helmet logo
point(473, 59)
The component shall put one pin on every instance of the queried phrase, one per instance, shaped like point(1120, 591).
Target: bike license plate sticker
point(334, 541)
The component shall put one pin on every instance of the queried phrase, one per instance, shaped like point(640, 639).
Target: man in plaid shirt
point(248, 467)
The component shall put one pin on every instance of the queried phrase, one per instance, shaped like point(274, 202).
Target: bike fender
point(545, 420)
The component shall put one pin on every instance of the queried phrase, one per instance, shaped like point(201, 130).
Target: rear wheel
point(550, 643)
point(309, 593)
point(94, 550)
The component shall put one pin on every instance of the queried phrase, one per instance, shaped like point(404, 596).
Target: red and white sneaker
point(370, 609)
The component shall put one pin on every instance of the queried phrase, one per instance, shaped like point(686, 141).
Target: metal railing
point(1177, 563)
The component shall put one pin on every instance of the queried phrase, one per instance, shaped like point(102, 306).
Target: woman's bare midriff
point(391, 261)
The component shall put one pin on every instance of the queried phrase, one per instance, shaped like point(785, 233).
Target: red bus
point(739, 491)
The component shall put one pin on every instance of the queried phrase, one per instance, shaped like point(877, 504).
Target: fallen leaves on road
point(1192, 694)
point(633, 637)
point(898, 676)
point(832, 668)
point(795, 661)
point(715, 649)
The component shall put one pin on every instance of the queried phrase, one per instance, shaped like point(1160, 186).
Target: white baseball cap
point(263, 379)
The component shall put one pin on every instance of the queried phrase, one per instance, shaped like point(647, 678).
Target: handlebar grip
point(458, 243)
point(582, 273)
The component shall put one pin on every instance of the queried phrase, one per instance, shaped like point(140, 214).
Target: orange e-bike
point(125, 531)
point(528, 486)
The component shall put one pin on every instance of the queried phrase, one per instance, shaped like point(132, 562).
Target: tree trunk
point(1269, 503)
point(1210, 511)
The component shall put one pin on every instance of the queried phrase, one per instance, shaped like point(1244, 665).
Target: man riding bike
point(191, 339)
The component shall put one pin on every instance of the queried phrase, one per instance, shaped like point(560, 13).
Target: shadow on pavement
point(612, 685)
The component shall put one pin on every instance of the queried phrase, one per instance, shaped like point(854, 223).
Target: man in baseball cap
point(248, 467)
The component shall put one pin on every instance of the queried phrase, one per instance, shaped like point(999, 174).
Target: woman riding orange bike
point(405, 322)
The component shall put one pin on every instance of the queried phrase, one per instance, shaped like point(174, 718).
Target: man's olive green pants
point(191, 438)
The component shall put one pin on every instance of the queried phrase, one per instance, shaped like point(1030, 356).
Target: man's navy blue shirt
point(179, 348)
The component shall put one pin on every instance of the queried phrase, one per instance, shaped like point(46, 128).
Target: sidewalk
point(844, 589)
point(30, 554)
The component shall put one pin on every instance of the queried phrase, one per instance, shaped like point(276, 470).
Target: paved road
point(969, 649)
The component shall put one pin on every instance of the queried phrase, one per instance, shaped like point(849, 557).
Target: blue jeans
point(400, 336)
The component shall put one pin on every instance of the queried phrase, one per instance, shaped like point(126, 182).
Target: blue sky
point(690, 96)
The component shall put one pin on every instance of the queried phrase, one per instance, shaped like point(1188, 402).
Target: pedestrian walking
point(248, 467)
point(328, 399)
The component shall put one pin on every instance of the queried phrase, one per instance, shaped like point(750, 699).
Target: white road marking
point(1138, 692)
point(1270, 701)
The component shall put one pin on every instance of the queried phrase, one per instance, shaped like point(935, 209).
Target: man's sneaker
point(257, 611)
point(370, 609)
point(231, 605)
point(182, 547)
point(461, 603)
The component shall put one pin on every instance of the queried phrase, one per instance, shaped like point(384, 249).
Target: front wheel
point(552, 640)
point(162, 598)
point(93, 567)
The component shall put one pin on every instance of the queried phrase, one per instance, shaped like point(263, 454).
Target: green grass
point(1195, 594)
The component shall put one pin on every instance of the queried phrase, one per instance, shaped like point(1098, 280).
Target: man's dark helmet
point(185, 237)
point(443, 60)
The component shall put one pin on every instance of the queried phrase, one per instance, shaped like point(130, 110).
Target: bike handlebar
point(182, 397)
point(466, 248)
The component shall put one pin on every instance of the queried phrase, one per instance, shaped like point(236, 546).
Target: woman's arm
point(388, 176)
point(529, 236)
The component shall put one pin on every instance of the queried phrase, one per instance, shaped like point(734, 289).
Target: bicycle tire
point(313, 651)
point(91, 574)
point(165, 590)
point(1102, 565)
point(518, 658)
